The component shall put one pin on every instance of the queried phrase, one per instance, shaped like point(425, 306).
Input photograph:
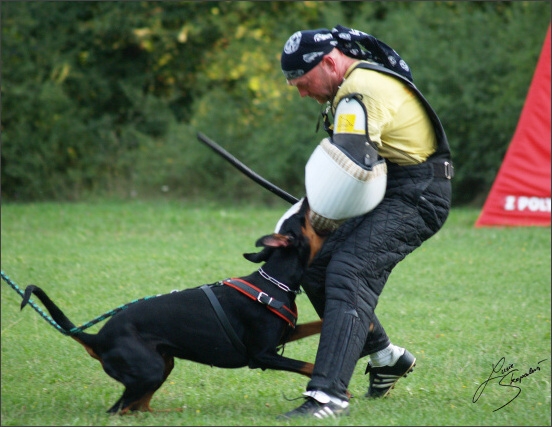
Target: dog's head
point(290, 251)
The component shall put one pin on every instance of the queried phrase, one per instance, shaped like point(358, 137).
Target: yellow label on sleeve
point(345, 123)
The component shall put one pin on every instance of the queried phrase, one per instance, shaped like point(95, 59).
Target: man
point(379, 186)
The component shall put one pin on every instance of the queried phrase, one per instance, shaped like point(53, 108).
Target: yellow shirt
point(397, 121)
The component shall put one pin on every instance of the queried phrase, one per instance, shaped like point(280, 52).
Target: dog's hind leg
point(136, 396)
point(144, 403)
point(141, 370)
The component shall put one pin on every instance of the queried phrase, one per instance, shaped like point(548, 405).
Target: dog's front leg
point(274, 361)
point(305, 330)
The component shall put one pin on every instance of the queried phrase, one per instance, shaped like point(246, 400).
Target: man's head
point(304, 50)
point(310, 63)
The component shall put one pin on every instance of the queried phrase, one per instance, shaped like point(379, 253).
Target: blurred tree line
point(105, 99)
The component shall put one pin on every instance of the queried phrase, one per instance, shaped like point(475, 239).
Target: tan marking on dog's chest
point(315, 240)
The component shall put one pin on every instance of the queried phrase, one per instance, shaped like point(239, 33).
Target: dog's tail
point(65, 325)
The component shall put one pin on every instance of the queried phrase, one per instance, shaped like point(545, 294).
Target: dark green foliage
point(476, 73)
point(105, 98)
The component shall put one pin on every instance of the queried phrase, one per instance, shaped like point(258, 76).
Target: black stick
point(244, 169)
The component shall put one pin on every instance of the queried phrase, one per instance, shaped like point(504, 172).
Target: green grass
point(460, 302)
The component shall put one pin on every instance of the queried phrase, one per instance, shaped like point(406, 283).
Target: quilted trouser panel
point(348, 275)
point(343, 336)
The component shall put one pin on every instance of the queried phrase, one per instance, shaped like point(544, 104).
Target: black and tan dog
point(229, 324)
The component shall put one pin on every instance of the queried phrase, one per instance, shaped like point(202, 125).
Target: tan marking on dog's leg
point(88, 349)
point(304, 330)
point(141, 405)
point(307, 369)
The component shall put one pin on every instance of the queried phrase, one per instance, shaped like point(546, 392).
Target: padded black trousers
point(347, 276)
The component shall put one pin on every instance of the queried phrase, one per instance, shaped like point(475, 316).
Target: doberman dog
point(229, 324)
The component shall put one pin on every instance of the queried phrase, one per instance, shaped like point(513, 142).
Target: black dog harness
point(251, 291)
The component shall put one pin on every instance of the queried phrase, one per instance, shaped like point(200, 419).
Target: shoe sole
point(409, 370)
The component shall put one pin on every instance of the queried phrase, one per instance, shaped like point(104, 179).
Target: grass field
point(463, 301)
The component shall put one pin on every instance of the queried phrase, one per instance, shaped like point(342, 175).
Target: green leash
point(78, 329)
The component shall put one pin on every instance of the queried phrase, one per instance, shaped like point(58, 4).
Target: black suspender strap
point(443, 145)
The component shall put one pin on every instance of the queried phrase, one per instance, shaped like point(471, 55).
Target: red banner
point(520, 195)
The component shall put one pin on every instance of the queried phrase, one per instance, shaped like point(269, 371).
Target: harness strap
point(277, 307)
point(223, 319)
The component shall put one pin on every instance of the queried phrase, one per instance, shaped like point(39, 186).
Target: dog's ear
point(304, 207)
point(270, 242)
point(294, 224)
point(275, 240)
point(259, 256)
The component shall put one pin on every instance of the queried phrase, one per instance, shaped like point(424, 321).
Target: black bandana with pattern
point(305, 49)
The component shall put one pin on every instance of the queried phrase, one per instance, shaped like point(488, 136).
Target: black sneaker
point(384, 378)
point(313, 408)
